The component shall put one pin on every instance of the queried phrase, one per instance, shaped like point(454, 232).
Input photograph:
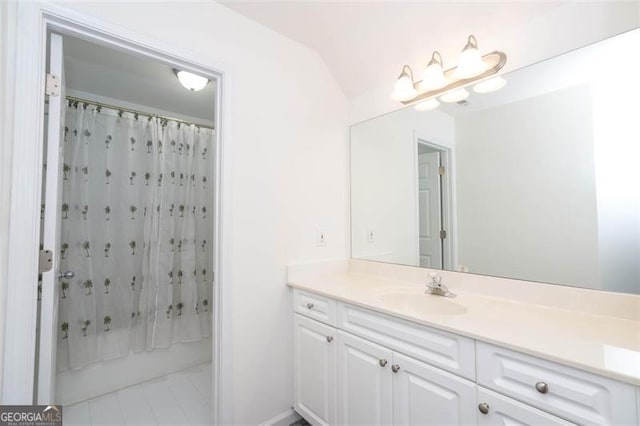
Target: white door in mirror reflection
point(429, 207)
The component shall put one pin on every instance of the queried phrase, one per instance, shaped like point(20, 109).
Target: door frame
point(35, 20)
point(448, 194)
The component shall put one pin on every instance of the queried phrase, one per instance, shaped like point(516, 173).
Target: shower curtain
point(137, 230)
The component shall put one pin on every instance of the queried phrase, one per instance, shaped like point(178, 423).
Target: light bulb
point(404, 89)
point(433, 77)
point(490, 85)
point(470, 63)
point(455, 96)
point(191, 81)
point(427, 105)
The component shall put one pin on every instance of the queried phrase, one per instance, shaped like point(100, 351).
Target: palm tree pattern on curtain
point(137, 232)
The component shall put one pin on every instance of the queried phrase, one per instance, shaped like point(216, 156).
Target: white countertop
point(605, 345)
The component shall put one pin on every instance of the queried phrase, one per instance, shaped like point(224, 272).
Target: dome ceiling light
point(472, 68)
point(190, 81)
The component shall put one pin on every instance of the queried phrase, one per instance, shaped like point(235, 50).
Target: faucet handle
point(435, 278)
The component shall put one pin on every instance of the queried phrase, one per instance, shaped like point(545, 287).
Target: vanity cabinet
point(578, 396)
point(357, 366)
point(426, 395)
point(314, 370)
point(498, 410)
point(365, 385)
point(379, 386)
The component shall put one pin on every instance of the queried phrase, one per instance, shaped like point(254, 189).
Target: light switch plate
point(371, 236)
point(321, 238)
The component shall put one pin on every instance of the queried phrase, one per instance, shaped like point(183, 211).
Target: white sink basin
point(416, 301)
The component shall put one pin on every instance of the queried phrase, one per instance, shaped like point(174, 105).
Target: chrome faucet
point(436, 288)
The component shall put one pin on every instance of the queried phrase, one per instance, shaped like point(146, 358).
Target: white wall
point(287, 176)
point(527, 191)
point(565, 28)
point(383, 182)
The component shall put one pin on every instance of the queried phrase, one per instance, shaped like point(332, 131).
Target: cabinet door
point(314, 370)
point(499, 410)
point(364, 385)
point(426, 395)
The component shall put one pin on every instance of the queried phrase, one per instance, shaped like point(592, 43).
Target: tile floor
point(182, 398)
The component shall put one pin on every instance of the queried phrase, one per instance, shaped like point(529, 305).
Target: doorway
point(432, 202)
point(129, 213)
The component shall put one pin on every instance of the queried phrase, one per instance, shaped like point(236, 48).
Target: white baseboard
point(282, 419)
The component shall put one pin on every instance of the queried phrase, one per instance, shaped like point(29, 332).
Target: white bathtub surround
point(586, 329)
point(137, 367)
point(181, 398)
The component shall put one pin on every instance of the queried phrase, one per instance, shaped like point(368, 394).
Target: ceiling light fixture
point(190, 81)
point(472, 68)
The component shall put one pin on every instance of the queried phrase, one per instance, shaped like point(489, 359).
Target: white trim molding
point(283, 419)
point(34, 21)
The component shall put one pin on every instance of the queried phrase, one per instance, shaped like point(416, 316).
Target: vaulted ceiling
point(365, 43)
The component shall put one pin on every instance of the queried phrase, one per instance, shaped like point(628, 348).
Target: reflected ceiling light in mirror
point(427, 105)
point(490, 85)
point(455, 96)
point(433, 77)
point(470, 63)
point(190, 81)
point(471, 69)
point(404, 88)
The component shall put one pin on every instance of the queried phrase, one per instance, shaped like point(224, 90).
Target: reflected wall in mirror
point(539, 181)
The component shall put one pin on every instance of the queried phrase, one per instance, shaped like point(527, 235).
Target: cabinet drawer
point(438, 348)
point(503, 411)
point(575, 395)
point(313, 306)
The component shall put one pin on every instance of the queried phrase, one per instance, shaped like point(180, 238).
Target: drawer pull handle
point(395, 368)
point(329, 339)
point(309, 305)
point(542, 387)
point(383, 362)
point(484, 408)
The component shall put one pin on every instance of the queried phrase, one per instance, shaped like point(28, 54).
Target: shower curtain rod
point(133, 111)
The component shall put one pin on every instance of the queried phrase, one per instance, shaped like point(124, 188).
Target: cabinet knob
point(395, 368)
point(309, 305)
point(484, 408)
point(383, 362)
point(329, 339)
point(542, 387)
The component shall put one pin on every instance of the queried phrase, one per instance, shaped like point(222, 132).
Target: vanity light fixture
point(472, 68)
point(433, 77)
point(404, 89)
point(427, 105)
point(491, 85)
point(470, 63)
point(455, 96)
point(190, 81)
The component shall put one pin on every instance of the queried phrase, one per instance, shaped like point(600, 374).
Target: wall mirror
point(537, 181)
